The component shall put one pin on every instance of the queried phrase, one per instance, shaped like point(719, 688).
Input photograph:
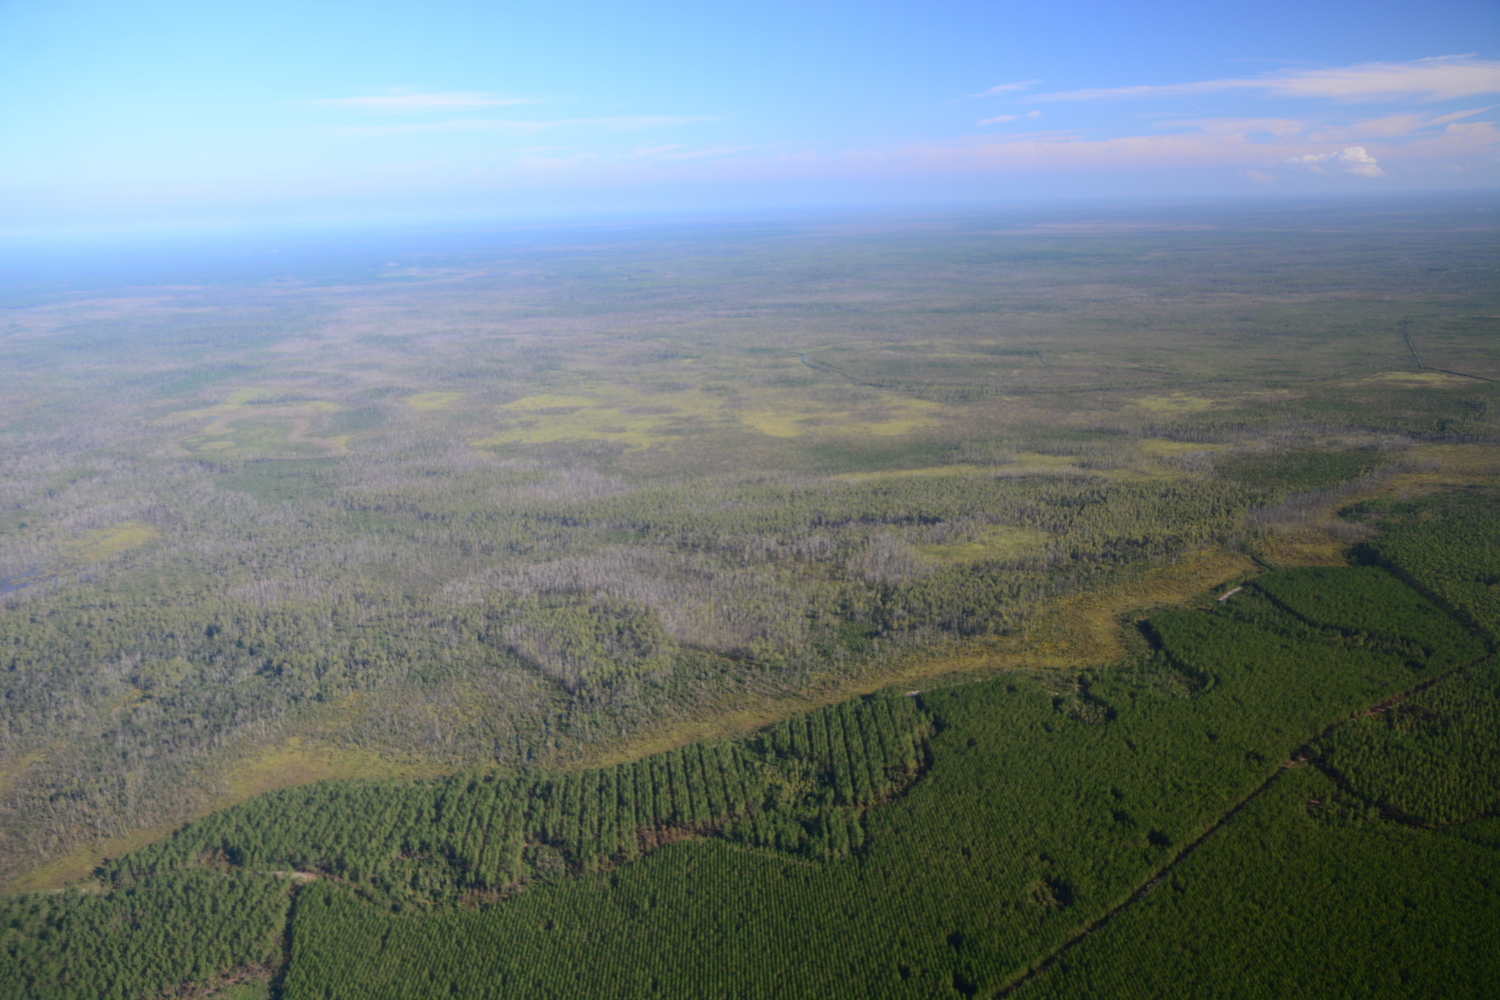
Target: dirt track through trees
point(1299, 757)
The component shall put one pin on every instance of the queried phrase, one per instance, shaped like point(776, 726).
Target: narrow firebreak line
point(1405, 328)
point(1151, 883)
point(1299, 756)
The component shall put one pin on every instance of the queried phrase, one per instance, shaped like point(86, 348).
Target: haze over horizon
point(844, 501)
point(170, 114)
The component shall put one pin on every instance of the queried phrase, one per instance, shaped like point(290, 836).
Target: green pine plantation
point(1293, 791)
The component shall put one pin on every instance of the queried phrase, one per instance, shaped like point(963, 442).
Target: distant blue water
point(21, 580)
point(34, 269)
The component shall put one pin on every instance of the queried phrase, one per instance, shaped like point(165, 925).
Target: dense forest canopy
point(487, 593)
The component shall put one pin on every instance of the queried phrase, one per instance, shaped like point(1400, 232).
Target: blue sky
point(166, 114)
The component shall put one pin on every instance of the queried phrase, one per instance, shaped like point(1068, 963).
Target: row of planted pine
point(801, 787)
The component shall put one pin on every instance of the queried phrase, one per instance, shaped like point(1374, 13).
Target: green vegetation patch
point(1434, 757)
point(587, 643)
point(201, 378)
point(1282, 472)
point(181, 931)
point(1369, 603)
point(287, 481)
point(664, 545)
point(800, 788)
point(365, 418)
point(1040, 806)
point(1447, 545)
point(254, 990)
point(1301, 895)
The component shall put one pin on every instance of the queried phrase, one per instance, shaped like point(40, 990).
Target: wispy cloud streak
point(1434, 79)
point(409, 103)
point(619, 123)
point(1009, 118)
point(1006, 88)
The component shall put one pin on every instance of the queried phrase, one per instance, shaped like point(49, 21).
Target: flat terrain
point(1178, 823)
point(569, 498)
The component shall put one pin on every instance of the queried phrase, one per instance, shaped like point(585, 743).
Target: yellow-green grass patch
point(890, 417)
point(264, 436)
point(295, 761)
point(639, 419)
point(1162, 448)
point(1036, 459)
point(432, 400)
point(260, 420)
point(633, 418)
point(1177, 402)
point(969, 471)
point(1455, 463)
point(91, 547)
point(1084, 629)
point(1034, 463)
point(263, 398)
point(101, 543)
point(1319, 537)
point(1419, 378)
point(80, 863)
point(292, 762)
point(1080, 631)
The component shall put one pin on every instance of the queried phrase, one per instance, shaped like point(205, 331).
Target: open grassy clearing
point(63, 555)
point(101, 543)
point(260, 421)
point(432, 400)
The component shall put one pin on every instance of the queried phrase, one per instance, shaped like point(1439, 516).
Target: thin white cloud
point(658, 149)
point(422, 102)
point(620, 123)
point(470, 125)
point(1434, 79)
point(1009, 118)
point(1353, 160)
point(1454, 146)
point(1455, 116)
point(700, 154)
point(1220, 152)
point(627, 123)
point(1278, 127)
point(1388, 127)
point(1006, 88)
